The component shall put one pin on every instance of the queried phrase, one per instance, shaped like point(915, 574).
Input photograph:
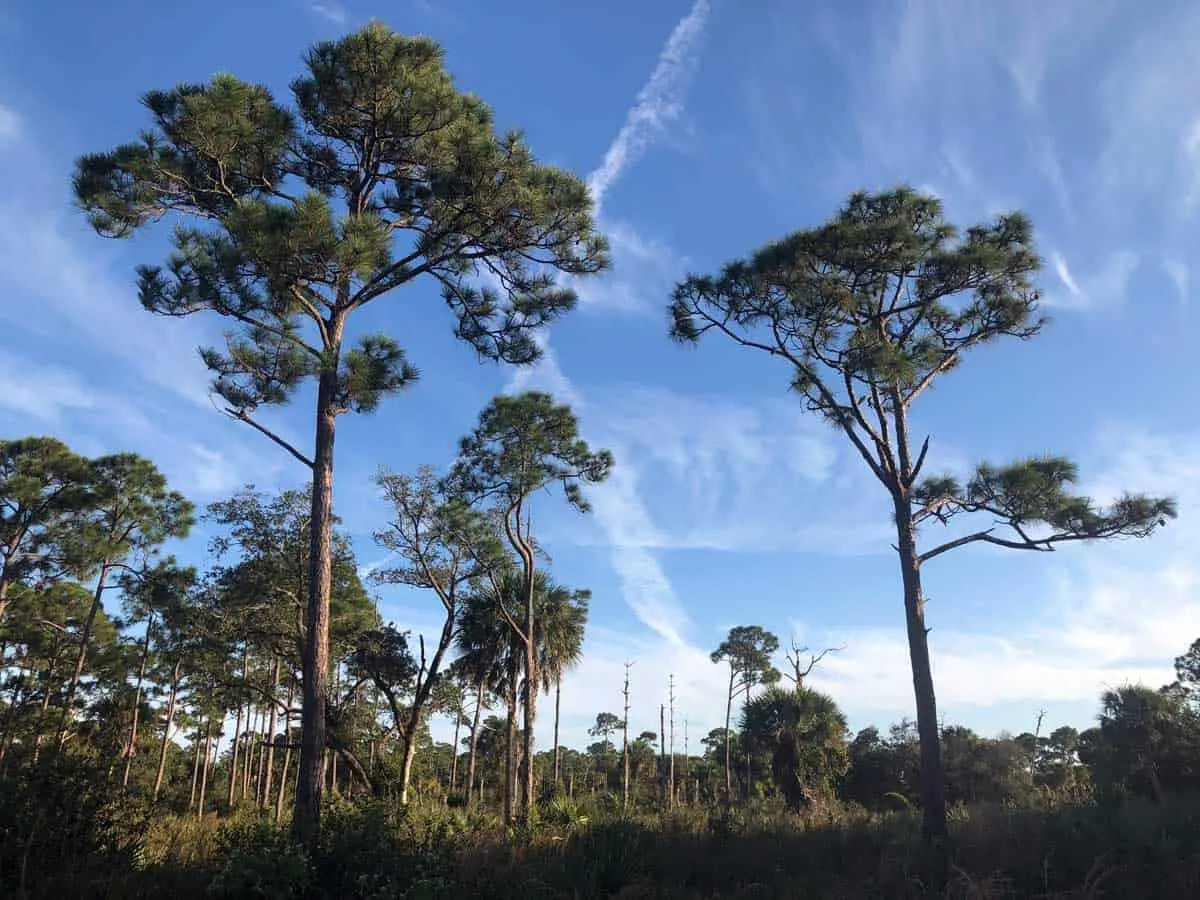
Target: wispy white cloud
point(10, 126)
point(1180, 276)
point(1065, 276)
point(333, 12)
point(1104, 287)
point(658, 103)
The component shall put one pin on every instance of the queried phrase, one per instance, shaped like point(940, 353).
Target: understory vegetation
point(236, 717)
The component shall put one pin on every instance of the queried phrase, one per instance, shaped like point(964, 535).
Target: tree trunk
point(85, 638)
point(557, 748)
point(728, 716)
point(11, 713)
point(458, 716)
point(320, 578)
point(287, 750)
point(269, 772)
point(474, 741)
point(234, 752)
point(204, 768)
point(531, 691)
point(933, 792)
point(137, 702)
point(253, 717)
point(195, 770)
point(510, 756)
point(166, 741)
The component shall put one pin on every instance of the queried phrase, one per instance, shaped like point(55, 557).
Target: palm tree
point(492, 654)
point(803, 735)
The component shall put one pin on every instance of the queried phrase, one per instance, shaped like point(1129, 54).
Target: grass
point(376, 852)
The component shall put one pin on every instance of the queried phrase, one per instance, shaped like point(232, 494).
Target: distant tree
point(607, 724)
point(443, 545)
point(44, 489)
point(801, 734)
point(1187, 673)
point(866, 312)
point(132, 513)
point(747, 650)
point(522, 445)
point(381, 173)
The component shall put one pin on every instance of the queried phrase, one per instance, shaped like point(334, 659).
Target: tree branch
point(242, 416)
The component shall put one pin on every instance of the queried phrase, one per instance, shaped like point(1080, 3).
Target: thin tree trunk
point(557, 748)
point(204, 768)
point(234, 752)
point(251, 737)
point(195, 770)
point(624, 744)
point(510, 755)
point(474, 742)
point(269, 772)
point(11, 713)
point(933, 792)
point(137, 702)
point(458, 716)
point(728, 716)
point(166, 740)
point(662, 750)
point(85, 638)
point(287, 749)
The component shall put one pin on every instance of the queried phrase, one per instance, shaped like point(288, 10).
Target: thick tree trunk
point(85, 638)
point(933, 792)
point(479, 688)
point(307, 817)
point(166, 739)
point(269, 771)
point(728, 716)
point(137, 703)
point(531, 691)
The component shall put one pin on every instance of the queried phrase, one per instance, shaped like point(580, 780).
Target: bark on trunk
point(195, 770)
point(253, 717)
point(454, 756)
point(137, 703)
point(85, 638)
point(234, 753)
point(474, 741)
point(531, 690)
point(307, 817)
point(166, 740)
point(933, 793)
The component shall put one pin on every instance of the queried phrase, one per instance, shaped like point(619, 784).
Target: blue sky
point(705, 130)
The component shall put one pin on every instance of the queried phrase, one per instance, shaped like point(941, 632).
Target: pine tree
point(867, 312)
point(381, 173)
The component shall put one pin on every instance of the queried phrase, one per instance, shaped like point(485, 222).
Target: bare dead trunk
point(307, 817)
point(269, 771)
point(474, 741)
point(933, 792)
point(137, 703)
point(166, 740)
point(85, 638)
point(557, 748)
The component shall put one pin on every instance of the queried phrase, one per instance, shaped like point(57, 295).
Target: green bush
point(262, 862)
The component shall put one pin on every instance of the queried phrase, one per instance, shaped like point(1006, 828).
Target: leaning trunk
point(933, 795)
point(85, 638)
point(307, 817)
point(137, 702)
point(166, 739)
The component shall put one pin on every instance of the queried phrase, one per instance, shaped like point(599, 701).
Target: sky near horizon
point(704, 130)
